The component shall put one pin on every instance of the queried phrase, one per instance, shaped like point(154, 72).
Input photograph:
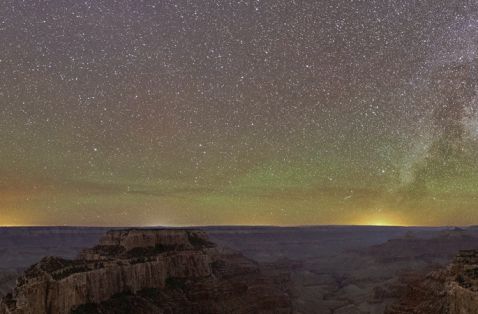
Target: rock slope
point(150, 271)
point(453, 290)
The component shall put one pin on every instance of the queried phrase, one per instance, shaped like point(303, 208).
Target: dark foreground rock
point(453, 290)
point(150, 271)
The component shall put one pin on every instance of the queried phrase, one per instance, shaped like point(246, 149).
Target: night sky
point(142, 112)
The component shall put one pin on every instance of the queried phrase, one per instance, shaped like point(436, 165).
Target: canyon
point(150, 271)
point(450, 290)
point(323, 269)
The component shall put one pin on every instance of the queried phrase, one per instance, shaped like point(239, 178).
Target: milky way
point(238, 112)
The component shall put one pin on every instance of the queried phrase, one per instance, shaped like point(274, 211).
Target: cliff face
point(149, 271)
point(453, 290)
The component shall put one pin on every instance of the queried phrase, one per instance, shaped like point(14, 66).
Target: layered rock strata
point(453, 290)
point(149, 271)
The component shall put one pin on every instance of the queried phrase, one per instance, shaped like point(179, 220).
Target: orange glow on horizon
point(382, 219)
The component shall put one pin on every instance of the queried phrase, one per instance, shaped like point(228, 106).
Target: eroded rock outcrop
point(150, 271)
point(453, 290)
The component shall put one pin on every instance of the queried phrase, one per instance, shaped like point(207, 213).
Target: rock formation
point(453, 290)
point(150, 271)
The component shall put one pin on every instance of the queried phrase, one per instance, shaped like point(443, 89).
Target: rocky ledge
point(453, 290)
point(150, 271)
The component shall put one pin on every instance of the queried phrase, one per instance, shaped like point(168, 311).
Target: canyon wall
point(179, 270)
point(453, 290)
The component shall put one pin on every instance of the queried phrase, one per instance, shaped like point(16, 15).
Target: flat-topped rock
point(145, 243)
point(179, 270)
point(134, 238)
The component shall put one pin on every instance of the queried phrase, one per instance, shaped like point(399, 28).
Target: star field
point(238, 112)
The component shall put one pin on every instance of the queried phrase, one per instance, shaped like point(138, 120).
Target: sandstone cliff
point(453, 290)
point(149, 271)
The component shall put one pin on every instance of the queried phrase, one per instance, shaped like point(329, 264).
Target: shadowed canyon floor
point(332, 269)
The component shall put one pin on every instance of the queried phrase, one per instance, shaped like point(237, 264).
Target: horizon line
point(233, 225)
